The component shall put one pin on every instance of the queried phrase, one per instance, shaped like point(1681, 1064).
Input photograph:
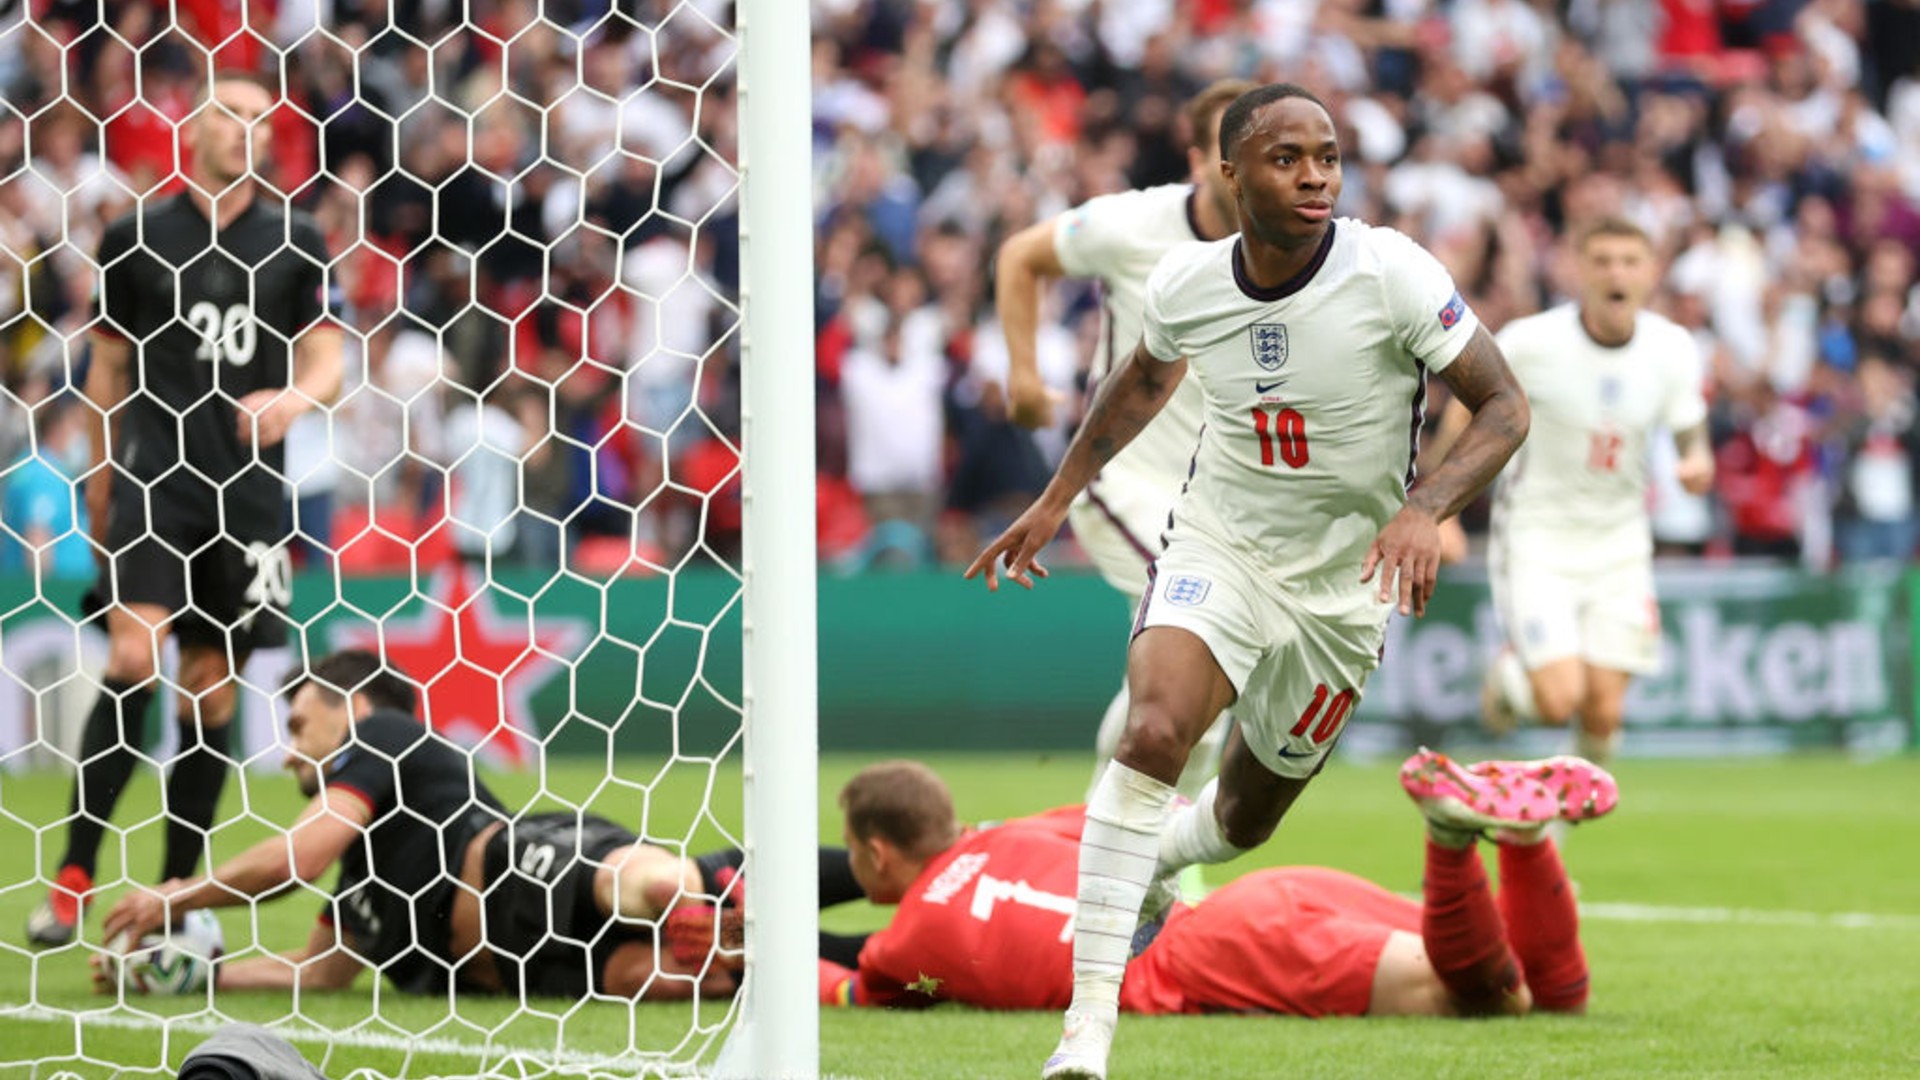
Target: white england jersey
point(1314, 393)
point(1580, 481)
point(1116, 240)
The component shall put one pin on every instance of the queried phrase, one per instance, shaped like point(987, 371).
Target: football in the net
point(178, 961)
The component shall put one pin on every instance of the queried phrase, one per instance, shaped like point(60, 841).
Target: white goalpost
point(778, 1034)
point(528, 210)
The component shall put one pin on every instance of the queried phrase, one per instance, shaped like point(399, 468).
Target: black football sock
point(842, 949)
point(837, 884)
point(193, 794)
point(115, 730)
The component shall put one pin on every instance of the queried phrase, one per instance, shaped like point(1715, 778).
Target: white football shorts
point(1299, 673)
point(1556, 607)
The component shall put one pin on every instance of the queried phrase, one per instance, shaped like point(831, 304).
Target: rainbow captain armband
point(837, 984)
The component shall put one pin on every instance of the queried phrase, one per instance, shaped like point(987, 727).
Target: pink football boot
point(1458, 798)
point(1583, 790)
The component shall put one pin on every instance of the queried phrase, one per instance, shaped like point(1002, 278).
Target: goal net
point(537, 496)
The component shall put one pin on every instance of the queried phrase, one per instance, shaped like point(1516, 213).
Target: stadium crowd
point(533, 222)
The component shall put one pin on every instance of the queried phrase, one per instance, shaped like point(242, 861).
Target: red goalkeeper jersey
point(988, 923)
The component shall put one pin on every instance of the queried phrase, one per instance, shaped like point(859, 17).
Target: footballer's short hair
point(1239, 115)
point(1610, 225)
point(355, 671)
point(905, 802)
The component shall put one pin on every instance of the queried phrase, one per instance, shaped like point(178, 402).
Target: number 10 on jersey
point(1286, 428)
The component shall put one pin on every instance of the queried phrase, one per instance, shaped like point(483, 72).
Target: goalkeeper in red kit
point(984, 914)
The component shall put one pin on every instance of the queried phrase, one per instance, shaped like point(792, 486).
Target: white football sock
point(1124, 821)
point(1193, 836)
point(1515, 686)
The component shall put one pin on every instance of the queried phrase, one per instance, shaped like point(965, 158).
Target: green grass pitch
point(1717, 930)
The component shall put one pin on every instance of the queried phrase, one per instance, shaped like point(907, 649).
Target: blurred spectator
point(313, 475)
point(46, 521)
point(544, 481)
point(670, 330)
point(892, 382)
point(1876, 517)
point(483, 442)
point(1767, 469)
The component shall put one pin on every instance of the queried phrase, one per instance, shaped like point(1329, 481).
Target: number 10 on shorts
point(1330, 714)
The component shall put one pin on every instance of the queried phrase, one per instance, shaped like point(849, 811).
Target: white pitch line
point(1656, 913)
point(498, 1053)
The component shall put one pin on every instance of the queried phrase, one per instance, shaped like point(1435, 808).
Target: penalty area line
point(490, 1054)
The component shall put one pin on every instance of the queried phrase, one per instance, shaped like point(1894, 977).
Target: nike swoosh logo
point(1268, 387)
point(1283, 752)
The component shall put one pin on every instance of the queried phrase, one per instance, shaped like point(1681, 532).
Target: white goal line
point(492, 1056)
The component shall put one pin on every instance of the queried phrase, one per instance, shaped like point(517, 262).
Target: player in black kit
point(439, 885)
point(212, 338)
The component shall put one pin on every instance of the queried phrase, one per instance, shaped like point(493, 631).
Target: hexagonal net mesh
point(399, 333)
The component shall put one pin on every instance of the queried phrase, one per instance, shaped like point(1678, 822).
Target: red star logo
point(476, 668)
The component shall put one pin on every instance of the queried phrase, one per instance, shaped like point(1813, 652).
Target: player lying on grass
point(439, 883)
point(984, 914)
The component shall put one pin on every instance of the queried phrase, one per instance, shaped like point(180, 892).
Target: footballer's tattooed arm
point(1408, 552)
point(1130, 396)
point(1481, 381)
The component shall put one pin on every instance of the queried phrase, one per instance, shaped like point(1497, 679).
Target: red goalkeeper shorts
point(1300, 941)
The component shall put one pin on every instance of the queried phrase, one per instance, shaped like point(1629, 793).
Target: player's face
point(863, 860)
point(1616, 277)
point(231, 137)
point(1285, 173)
point(317, 722)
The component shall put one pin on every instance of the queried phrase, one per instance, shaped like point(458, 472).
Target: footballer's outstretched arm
point(1129, 398)
point(314, 843)
point(322, 964)
point(1025, 263)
